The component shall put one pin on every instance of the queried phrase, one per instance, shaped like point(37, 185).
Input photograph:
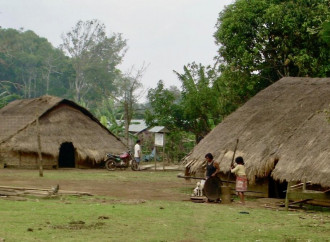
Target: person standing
point(212, 168)
point(137, 151)
point(241, 180)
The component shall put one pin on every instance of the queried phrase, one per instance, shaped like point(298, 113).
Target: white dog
point(198, 191)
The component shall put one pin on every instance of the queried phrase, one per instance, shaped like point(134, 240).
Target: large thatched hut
point(283, 133)
point(70, 135)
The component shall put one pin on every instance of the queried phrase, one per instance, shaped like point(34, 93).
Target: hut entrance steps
point(66, 158)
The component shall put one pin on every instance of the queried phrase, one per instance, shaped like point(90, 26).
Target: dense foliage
point(166, 110)
point(266, 40)
point(30, 66)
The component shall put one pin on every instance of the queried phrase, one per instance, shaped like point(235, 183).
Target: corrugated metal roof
point(159, 129)
point(137, 126)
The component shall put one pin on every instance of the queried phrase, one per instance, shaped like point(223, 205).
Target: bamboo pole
point(232, 161)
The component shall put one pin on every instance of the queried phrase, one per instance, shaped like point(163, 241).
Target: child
point(241, 180)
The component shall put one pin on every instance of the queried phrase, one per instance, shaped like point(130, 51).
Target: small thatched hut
point(283, 135)
point(70, 135)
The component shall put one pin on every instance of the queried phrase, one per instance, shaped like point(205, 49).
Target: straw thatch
point(283, 132)
point(60, 121)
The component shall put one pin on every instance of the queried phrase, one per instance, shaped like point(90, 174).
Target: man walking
point(137, 151)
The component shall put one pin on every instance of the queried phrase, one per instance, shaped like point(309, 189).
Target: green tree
point(199, 99)
point(95, 57)
point(325, 33)
point(127, 94)
point(166, 110)
point(108, 114)
point(265, 40)
point(163, 104)
point(30, 63)
point(5, 94)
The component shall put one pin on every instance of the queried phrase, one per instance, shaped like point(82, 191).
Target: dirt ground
point(172, 189)
point(157, 190)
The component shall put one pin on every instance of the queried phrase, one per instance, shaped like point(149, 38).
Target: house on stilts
point(70, 135)
point(284, 136)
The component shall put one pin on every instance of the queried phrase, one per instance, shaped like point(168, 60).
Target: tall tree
point(94, 58)
point(128, 92)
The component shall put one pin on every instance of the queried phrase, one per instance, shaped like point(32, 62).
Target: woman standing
point(212, 168)
point(241, 180)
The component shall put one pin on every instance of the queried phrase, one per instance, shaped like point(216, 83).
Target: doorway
point(66, 156)
point(276, 189)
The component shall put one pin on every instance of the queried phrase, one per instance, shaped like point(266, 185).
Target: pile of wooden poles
point(7, 191)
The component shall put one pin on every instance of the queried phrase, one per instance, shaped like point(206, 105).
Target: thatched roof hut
point(67, 131)
point(283, 132)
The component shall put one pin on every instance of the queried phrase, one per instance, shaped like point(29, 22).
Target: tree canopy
point(95, 57)
point(30, 66)
point(266, 40)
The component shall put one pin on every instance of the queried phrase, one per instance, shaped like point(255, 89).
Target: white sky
point(166, 34)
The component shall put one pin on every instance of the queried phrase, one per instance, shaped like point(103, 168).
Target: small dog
point(198, 191)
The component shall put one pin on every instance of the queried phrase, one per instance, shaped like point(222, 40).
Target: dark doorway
point(66, 156)
point(276, 189)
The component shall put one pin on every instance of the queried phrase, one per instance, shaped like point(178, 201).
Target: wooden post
point(287, 196)
point(155, 159)
point(304, 185)
point(41, 173)
point(164, 152)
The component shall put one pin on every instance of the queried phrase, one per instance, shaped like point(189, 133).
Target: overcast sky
point(166, 34)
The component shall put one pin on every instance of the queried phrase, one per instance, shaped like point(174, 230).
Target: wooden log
point(48, 191)
point(300, 201)
point(319, 203)
point(8, 193)
point(34, 192)
point(74, 193)
point(24, 188)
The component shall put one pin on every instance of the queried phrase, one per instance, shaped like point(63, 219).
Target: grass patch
point(103, 218)
point(99, 219)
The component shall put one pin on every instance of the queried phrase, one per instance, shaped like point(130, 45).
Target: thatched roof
point(282, 131)
point(60, 121)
